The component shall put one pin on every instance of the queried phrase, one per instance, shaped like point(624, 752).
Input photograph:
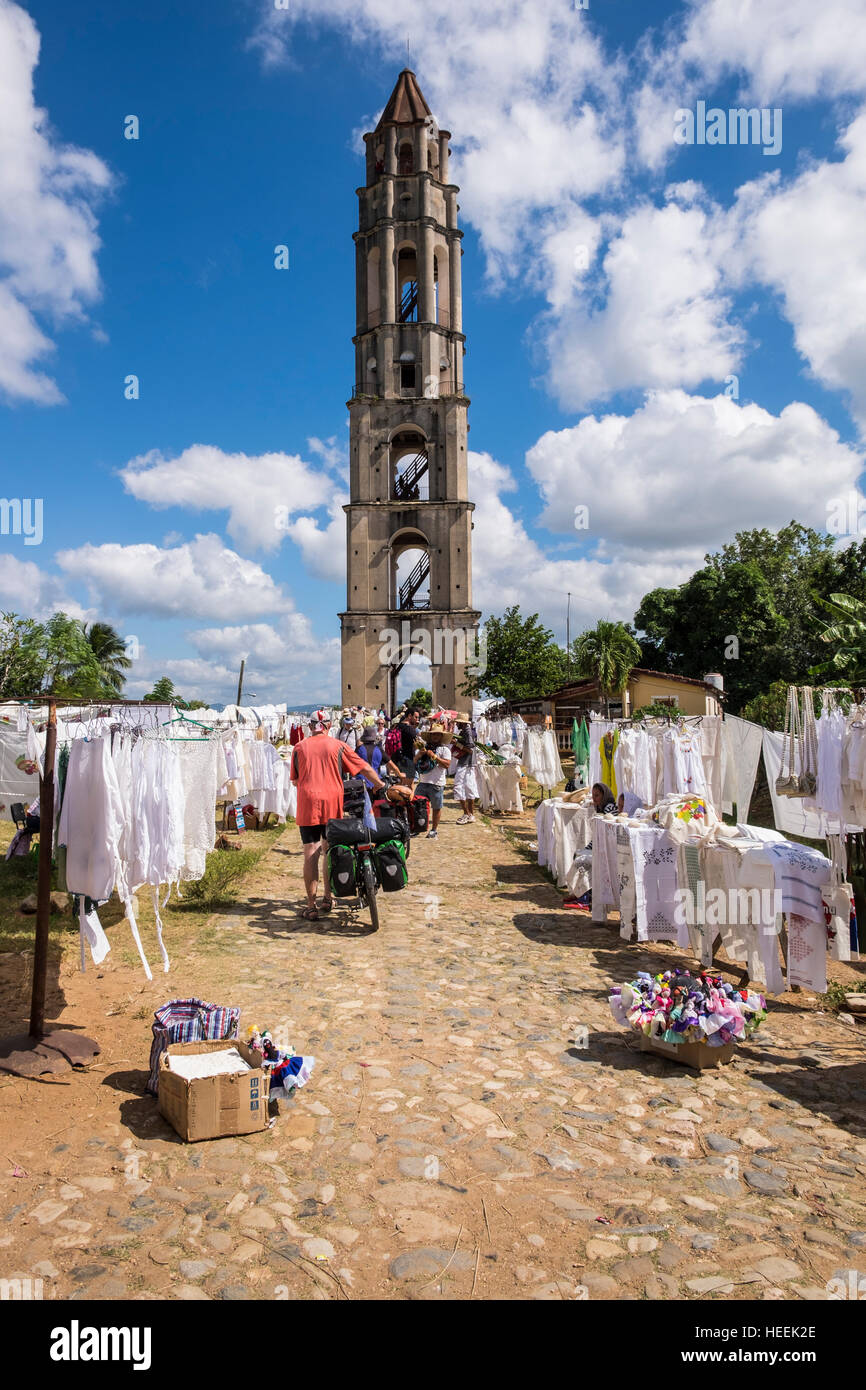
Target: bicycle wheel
point(368, 879)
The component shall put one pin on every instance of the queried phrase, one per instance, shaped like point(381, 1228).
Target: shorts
point(311, 834)
point(406, 766)
point(465, 784)
point(433, 794)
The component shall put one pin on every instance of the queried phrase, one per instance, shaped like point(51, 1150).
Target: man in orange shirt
point(316, 767)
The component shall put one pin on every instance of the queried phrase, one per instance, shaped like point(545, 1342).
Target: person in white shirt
point(347, 732)
point(465, 781)
point(431, 764)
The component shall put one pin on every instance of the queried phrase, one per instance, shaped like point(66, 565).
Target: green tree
point(422, 698)
point(523, 659)
point(109, 649)
point(60, 660)
point(847, 636)
point(18, 675)
point(769, 709)
point(607, 653)
point(751, 612)
point(163, 693)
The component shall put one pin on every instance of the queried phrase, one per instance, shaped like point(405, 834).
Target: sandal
point(327, 904)
point(310, 914)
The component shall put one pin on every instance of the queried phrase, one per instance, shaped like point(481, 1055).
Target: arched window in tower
point(441, 286)
point(404, 158)
point(373, 310)
point(410, 570)
point(407, 285)
point(409, 467)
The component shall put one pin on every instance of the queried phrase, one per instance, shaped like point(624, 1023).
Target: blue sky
point(596, 378)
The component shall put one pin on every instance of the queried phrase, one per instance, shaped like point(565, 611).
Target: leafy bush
point(658, 710)
point(834, 1000)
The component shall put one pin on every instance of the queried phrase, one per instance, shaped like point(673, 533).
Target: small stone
point(639, 1268)
point(753, 1140)
point(360, 1153)
point(641, 1245)
point(704, 1241)
point(318, 1249)
point(196, 1269)
point(715, 1283)
point(764, 1183)
point(46, 1270)
point(189, 1293)
point(428, 1263)
point(48, 1211)
point(778, 1270)
point(600, 1285)
point(344, 1235)
point(602, 1249)
point(720, 1144)
point(671, 1255)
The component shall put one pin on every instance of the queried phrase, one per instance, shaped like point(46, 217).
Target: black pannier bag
point(419, 814)
point(353, 796)
point(347, 830)
point(389, 828)
point(391, 866)
point(341, 871)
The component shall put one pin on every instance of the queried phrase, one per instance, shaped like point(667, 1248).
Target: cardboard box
point(211, 1107)
point(690, 1054)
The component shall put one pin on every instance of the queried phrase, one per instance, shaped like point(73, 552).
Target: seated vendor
point(603, 799)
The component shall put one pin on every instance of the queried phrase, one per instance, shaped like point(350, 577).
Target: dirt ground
point(453, 1141)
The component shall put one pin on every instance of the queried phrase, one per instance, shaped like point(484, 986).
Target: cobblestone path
point(453, 1141)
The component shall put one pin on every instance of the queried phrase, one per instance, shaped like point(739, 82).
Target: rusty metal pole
point(43, 894)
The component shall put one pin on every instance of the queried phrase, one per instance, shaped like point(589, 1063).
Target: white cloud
point(806, 240)
point(517, 83)
point(785, 49)
point(323, 549)
point(28, 590)
point(48, 237)
point(283, 662)
point(663, 320)
point(686, 469)
point(259, 492)
point(509, 567)
point(201, 578)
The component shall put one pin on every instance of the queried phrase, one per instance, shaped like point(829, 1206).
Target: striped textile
point(188, 1020)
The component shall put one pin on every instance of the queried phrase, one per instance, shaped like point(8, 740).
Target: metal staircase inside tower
point(406, 484)
point(410, 586)
point(409, 302)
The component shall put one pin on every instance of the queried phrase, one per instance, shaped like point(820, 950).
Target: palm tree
point(607, 654)
point(848, 635)
point(109, 649)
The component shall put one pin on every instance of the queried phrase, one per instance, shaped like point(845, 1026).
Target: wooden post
point(43, 895)
point(241, 681)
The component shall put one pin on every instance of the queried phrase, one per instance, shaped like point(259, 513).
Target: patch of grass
point(224, 873)
point(834, 1000)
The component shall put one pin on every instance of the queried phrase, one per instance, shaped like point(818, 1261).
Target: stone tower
point(409, 521)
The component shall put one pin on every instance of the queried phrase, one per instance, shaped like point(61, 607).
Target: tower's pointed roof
point(406, 104)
